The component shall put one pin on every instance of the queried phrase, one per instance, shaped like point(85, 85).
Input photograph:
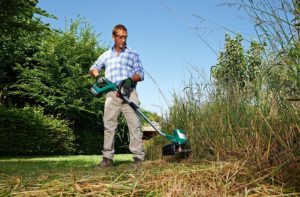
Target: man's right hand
point(101, 81)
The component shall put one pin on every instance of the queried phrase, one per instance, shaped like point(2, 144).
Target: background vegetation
point(250, 110)
point(29, 132)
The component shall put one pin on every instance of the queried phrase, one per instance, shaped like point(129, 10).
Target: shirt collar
point(114, 50)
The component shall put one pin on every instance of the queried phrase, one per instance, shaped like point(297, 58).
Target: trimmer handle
point(98, 90)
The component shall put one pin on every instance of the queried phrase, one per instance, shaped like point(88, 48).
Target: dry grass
point(154, 178)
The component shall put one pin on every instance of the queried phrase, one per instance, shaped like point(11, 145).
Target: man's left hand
point(125, 87)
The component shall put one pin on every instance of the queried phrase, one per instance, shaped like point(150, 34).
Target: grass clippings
point(154, 178)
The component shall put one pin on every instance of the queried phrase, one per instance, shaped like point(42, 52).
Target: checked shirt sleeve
point(138, 67)
point(100, 62)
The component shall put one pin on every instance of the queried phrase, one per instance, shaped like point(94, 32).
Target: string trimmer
point(180, 146)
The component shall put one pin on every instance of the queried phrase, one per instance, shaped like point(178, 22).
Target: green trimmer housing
point(180, 145)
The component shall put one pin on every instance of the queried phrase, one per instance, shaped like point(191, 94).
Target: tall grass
point(277, 23)
point(231, 127)
point(258, 124)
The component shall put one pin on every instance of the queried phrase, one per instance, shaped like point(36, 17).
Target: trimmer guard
point(182, 151)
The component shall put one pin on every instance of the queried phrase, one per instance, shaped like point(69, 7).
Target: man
point(124, 68)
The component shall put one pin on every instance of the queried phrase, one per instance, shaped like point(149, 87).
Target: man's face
point(120, 39)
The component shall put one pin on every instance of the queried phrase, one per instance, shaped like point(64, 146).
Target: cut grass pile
point(78, 175)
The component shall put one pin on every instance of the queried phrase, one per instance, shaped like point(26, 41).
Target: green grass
point(43, 176)
point(26, 165)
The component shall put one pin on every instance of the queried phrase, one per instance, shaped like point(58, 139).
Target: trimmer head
point(180, 147)
point(181, 151)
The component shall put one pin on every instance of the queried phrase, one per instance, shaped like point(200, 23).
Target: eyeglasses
point(121, 37)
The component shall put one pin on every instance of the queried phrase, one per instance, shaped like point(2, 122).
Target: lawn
point(79, 176)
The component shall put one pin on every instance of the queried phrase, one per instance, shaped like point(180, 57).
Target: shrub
point(28, 131)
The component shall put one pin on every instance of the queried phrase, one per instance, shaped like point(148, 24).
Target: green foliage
point(20, 34)
point(230, 69)
point(28, 131)
point(57, 79)
point(19, 16)
point(237, 69)
point(263, 134)
point(152, 116)
point(277, 24)
point(245, 114)
point(45, 67)
point(59, 73)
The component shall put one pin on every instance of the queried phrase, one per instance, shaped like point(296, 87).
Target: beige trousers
point(112, 109)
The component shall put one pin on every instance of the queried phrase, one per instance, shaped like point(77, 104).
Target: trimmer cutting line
point(180, 146)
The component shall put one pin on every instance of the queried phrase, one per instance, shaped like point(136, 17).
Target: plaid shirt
point(119, 67)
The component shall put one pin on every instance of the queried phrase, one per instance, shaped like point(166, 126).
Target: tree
point(231, 67)
point(238, 70)
point(57, 79)
point(20, 34)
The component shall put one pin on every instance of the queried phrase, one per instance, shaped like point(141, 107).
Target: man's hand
point(125, 87)
point(101, 81)
point(127, 83)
